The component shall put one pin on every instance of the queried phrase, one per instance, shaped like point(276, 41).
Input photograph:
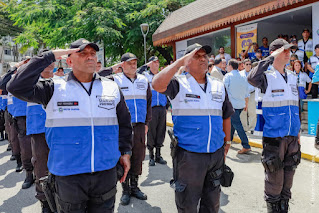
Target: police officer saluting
point(36, 117)
point(157, 127)
point(281, 150)
point(87, 127)
point(138, 97)
point(201, 115)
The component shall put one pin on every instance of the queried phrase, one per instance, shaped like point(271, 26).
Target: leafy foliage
point(114, 23)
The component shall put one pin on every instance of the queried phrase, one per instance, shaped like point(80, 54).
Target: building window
point(7, 52)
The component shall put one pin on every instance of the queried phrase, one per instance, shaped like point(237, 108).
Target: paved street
point(245, 196)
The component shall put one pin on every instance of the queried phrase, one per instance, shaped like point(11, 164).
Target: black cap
point(42, 51)
point(278, 43)
point(259, 51)
point(82, 43)
point(306, 29)
point(153, 58)
point(128, 57)
point(192, 47)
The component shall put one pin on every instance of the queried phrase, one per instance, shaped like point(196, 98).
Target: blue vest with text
point(35, 119)
point(280, 105)
point(197, 115)
point(158, 99)
point(135, 94)
point(82, 131)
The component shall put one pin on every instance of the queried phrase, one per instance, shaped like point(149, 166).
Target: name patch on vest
point(68, 103)
point(106, 102)
point(124, 88)
point(192, 96)
point(141, 86)
point(277, 90)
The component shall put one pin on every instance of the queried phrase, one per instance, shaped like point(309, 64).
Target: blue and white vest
point(35, 119)
point(82, 131)
point(4, 102)
point(197, 115)
point(135, 94)
point(158, 99)
point(280, 105)
point(16, 107)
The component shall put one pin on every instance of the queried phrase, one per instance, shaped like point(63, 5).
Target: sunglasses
point(248, 64)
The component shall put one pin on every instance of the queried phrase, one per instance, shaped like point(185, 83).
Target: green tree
point(113, 23)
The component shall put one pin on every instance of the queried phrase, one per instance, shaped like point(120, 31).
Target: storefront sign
point(245, 35)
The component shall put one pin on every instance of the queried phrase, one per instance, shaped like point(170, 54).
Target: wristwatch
point(227, 143)
point(127, 153)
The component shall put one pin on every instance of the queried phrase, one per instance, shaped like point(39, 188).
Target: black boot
point(2, 136)
point(126, 197)
point(273, 207)
point(45, 207)
point(152, 161)
point(159, 158)
point(135, 191)
point(13, 157)
point(284, 206)
point(9, 147)
point(19, 167)
point(29, 180)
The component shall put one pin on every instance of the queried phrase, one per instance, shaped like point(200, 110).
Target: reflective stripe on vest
point(35, 118)
point(135, 94)
point(82, 131)
point(280, 105)
point(158, 99)
point(197, 115)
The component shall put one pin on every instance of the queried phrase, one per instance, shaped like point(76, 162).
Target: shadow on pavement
point(16, 204)
point(251, 157)
point(137, 206)
point(158, 174)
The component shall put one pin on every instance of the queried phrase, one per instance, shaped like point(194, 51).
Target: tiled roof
point(206, 15)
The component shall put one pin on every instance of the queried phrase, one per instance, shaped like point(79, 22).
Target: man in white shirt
point(222, 54)
point(248, 118)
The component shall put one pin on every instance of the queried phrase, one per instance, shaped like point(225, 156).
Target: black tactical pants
point(24, 141)
point(191, 172)
point(279, 183)
point(157, 128)
point(86, 193)
point(13, 135)
point(40, 152)
point(138, 148)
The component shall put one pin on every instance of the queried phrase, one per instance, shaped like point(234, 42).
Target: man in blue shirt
point(238, 92)
point(265, 47)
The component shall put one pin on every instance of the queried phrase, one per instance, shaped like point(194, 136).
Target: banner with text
point(245, 35)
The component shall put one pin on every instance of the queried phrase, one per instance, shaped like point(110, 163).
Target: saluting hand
point(61, 52)
point(126, 163)
point(186, 58)
point(277, 52)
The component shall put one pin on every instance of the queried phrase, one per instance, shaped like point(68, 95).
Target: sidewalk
point(308, 151)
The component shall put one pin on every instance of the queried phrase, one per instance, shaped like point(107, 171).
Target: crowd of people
point(86, 130)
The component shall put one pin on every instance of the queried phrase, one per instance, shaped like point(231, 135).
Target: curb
point(305, 156)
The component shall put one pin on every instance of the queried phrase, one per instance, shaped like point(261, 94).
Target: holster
point(47, 184)
point(270, 157)
point(291, 162)
point(119, 170)
point(214, 177)
point(227, 177)
point(173, 144)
